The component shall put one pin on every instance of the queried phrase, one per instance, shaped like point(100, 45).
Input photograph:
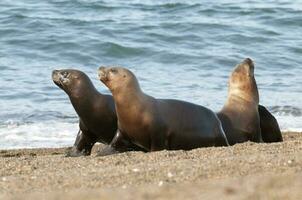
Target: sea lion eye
point(113, 71)
point(65, 74)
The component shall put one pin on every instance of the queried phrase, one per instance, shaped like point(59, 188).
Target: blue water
point(178, 49)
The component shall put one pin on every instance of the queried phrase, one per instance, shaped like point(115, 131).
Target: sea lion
point(239, 115)
point(157, 124)
point(270, 130)
point(96, 111)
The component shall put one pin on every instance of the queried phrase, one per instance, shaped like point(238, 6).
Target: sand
point(242, 171)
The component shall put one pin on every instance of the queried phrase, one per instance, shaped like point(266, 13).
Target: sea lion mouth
point(103, 74)
point(60, 78)
point(56, 77)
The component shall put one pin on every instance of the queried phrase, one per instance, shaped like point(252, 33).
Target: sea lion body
point(96, 111)
point(239, 116)
point(172, 124)
point(157, 124)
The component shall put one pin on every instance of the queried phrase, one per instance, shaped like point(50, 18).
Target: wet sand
point(242, 171)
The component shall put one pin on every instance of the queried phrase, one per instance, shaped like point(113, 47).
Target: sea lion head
point(242, 82)
point(117, 78)
point(71, 81)
point(245, 68)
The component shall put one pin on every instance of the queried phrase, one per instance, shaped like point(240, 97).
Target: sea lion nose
point(248, 61)
point(101, 72)
point(54, 73)
point(249, 66)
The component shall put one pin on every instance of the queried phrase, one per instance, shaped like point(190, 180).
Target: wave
point(286, 111)
point(57, 130)
point(17, 119)
point(41, 134)
point(56, 133)
point(117, 50)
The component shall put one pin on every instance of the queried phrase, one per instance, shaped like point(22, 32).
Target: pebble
point(135, 170)
point(160, 183)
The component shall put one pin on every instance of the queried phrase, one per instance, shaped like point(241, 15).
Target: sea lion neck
point(82, 99)
point(128, 96)
point(246, 90)
point(238, 94)
point(132, 100)
point(130, 91)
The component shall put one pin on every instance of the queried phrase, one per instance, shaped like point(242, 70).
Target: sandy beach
point(242, 171)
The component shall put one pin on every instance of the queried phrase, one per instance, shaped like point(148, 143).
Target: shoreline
point(99, 144)
point(242, 171)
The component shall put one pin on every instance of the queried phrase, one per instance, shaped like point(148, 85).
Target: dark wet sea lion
point(239, 116)
point(270, 130)
point(157, 124)
point(96, 111)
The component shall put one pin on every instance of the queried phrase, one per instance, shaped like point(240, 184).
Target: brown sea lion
point(96, 111)
point(239, 116)
point(157, 124)
point(270, 130)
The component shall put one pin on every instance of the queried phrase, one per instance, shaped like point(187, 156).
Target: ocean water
point(178, 49)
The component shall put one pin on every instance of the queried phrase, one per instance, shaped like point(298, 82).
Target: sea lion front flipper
point(74, 152)
point(108, 150)
point(270, 129)
point(82, 145)
point(119, 144)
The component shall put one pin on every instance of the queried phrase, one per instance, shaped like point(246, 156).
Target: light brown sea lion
point(239, 116)
point(157, 124)
point(96, 111)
